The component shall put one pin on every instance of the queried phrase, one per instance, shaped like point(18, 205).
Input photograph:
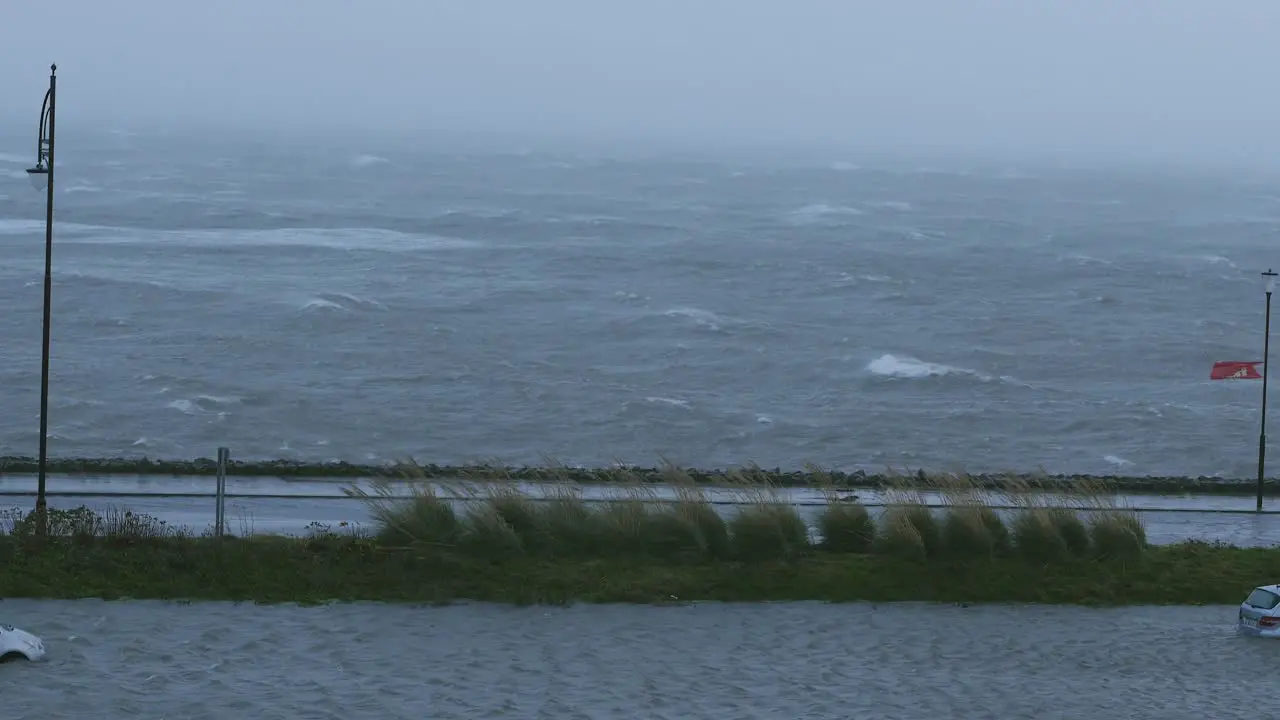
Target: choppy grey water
point(794, 660)
point(370, 303)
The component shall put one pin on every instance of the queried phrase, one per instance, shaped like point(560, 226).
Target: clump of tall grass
point(691, 517)
point(488, 533)
point(1036, 536)
point(844, 525)
point(517, 512)
point(421, 518)
point(970, 527)
point(975, 531)
point(634, 521)
point(1046, 527)
point(1118, 535)
point(765, 526)
point(900, 537)
point(1072, 529)
point(568, 527)
point(624, 523)
point(908, 506)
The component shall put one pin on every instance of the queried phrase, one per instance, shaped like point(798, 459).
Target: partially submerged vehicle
point(1260, 612)
point(18, 644)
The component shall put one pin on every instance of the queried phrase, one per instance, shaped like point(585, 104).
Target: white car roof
point(1269, 588)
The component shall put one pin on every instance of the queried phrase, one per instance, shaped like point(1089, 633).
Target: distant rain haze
point(1169, 80)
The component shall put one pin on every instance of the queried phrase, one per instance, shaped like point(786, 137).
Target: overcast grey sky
point(1182, 78)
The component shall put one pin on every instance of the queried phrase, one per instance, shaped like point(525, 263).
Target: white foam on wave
point(218, 399)
point(183, 405)
point(1081, 259)
point(630, 297)
point(1216, 260)
point(871, 278)
point(365, 160)
point(901, 205)
point(673, 402)
point(820, 212)
point(342, 302)
point(893, 366)
point(202, 404)
point(321, 304)
point(704, 318)
point(1116, 460)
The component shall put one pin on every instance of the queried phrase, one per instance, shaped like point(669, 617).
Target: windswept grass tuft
point(975, 531)
point(943, 515)
point(487, 533)
point(1118, 535)
point(1071, 528)
point(765, 526)
point(844, 525)
point(909, 503)
point(1037, 538)
point(900, 537)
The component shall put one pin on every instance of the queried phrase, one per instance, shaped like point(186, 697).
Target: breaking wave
point(820, 213)
point(893, 366)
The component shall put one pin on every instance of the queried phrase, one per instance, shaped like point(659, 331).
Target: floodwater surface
point(136, 659)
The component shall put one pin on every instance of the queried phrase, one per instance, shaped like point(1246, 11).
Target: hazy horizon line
point(446, 138)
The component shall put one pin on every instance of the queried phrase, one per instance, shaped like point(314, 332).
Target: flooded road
point(220, 660)
point(288, 506)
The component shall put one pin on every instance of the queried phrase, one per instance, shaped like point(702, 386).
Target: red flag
point(1235, 370)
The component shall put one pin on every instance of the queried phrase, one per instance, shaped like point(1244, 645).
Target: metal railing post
point(220, 503)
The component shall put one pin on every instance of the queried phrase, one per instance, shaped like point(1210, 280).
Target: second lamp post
point(42, 177)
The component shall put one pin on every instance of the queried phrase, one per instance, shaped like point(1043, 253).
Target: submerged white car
point(1259, 613)
point(18, 644)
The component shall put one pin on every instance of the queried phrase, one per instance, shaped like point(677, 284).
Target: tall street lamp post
point(1270, 279)
point(41, 177)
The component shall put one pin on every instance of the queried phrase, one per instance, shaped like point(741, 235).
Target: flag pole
point(1266, 354)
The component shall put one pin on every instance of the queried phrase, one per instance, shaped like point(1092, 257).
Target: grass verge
point(941, 541)
point(274, 569)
